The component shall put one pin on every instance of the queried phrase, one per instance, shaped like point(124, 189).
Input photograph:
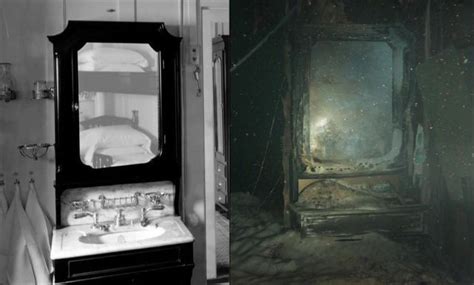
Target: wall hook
point(34, 151)
point(17, 182)
point(196, 73)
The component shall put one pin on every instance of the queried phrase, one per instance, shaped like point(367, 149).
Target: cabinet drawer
point(107, 265)
point(123, 262)
point(221, 198)
point(221, 184)
point(220, 168)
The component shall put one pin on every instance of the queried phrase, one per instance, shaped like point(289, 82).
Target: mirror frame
point(70, 170)
point(221, 50)
point(303, 40)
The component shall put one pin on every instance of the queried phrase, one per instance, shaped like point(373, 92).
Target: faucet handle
point(143, 218)
point(85, 214)
point(119, 218)
point(158, 206)
point(94, 215)
point(79, 204)
point(80, 215)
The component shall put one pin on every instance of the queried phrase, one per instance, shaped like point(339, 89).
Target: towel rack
point(34, 151)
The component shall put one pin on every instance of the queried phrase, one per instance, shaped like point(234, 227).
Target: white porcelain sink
point(122, 237)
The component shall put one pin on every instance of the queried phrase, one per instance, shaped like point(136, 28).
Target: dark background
point(260, 91)
point(259, 85)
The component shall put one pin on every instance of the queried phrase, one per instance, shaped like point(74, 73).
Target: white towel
point(3, 199)
point(41, 226)
point(14, 247)
point(25, 265)
point(3, 232)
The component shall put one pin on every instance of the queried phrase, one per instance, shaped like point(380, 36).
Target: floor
point(222, 250)
point(263, 252)
point(222, 244)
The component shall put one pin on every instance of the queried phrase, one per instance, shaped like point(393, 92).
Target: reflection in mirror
point(350, 96)
point(119, 87)
point(219, 108)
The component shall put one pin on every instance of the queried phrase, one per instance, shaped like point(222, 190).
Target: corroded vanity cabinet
point(353, 131)
point(118, 156)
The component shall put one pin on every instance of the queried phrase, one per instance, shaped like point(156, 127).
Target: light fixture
point(42, 91)
point(7, 92)
point(34, 151)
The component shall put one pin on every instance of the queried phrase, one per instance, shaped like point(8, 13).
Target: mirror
point(119, 104)
point(219, 111)
point(350, 100)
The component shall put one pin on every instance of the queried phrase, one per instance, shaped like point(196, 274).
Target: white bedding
point(128, 155)
point(98, 66)
point(124, 143)
point(111, 59)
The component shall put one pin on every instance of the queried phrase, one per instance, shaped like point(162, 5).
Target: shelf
point(145, 83)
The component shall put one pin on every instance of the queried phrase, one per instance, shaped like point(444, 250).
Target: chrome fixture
point(143, 219)
point(41, 90)
point(119, 218)
point(121, 202)
point(34, 151)
point(102, 227)
point(102, 202)
point(196, 73)
point(7, 92)
point(155, 200)
point(95, 218)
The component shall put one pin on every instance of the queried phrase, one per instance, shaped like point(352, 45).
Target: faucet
point(95, 220)
point(119, 218)
point(156, 205)
point(143, 219)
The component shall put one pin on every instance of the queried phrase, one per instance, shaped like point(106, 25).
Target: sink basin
point(122, 237)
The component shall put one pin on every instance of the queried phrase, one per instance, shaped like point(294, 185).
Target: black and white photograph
point(113, 142)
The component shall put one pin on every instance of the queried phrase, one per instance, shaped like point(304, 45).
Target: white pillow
point(107, 56)
point(126, 150)
point(121, 67)
point(109, 137)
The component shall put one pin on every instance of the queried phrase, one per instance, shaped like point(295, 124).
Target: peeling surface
point(263, 252)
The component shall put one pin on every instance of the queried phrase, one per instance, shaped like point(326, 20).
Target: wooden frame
point(70, 171)
point(398, 39)
point(406, 217)
point(221, 49)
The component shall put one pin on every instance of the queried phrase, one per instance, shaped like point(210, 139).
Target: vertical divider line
point(64, 14)
point(135, 10)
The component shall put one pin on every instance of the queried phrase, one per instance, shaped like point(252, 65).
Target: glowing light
point(321, 123)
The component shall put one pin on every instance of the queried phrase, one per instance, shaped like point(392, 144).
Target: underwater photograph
point(352, 142)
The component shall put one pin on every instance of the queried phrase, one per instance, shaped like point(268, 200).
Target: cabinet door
point(100, 10)
point(167, 11)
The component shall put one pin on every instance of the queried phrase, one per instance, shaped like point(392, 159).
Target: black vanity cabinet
point(162, 265)
point(117, 104)
point(116, 75)
point(353, 98)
